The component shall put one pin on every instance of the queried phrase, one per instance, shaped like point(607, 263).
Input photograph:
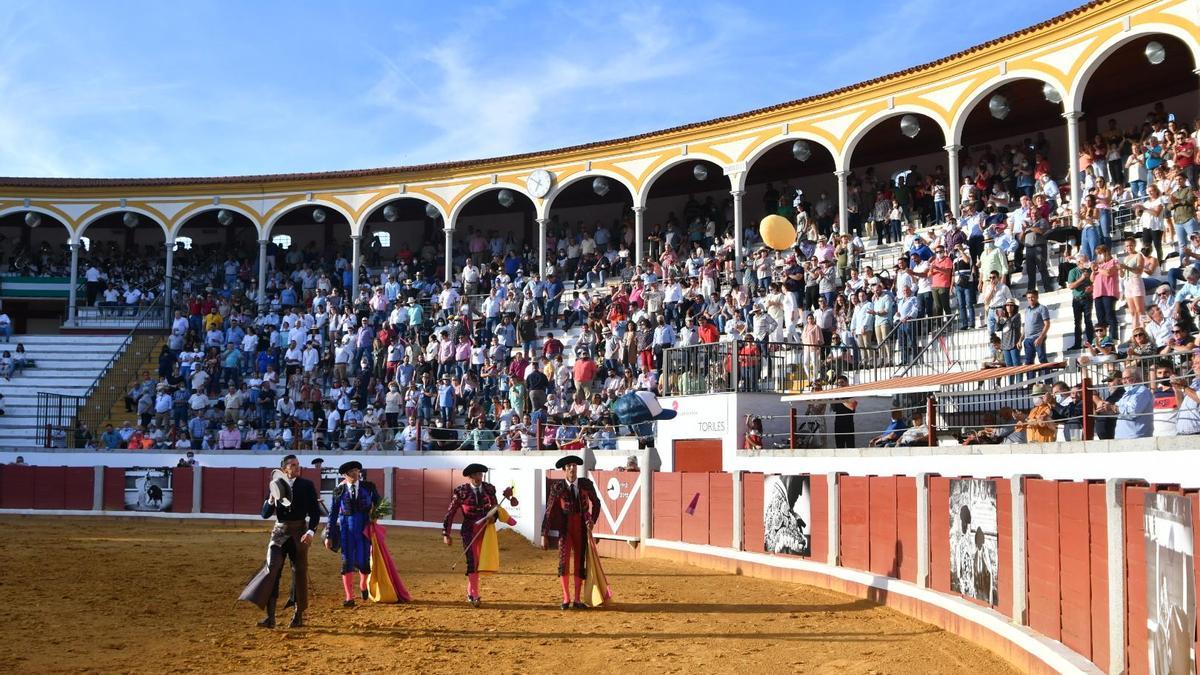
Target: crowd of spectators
point(508, 356)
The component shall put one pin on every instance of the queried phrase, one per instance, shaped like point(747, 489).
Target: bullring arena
point(678, 618)
point(899, 378)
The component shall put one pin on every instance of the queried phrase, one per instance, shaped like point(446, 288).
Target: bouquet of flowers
point(382, 510)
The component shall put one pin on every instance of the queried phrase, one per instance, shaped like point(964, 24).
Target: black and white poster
point(787, 515)
point(1170, 584)
point(148, 490)
point(330, 479)
point(974, 542)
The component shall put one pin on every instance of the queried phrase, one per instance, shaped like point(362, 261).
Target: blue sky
point(192, 88)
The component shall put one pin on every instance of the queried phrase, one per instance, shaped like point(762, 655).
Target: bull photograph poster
point(1170, 584)
point(330, 479)
point(787, 515)
point(974, 540)
point(148, 490)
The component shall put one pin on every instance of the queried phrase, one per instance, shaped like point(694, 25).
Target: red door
point(700, 455)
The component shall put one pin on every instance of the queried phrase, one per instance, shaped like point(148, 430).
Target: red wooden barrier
point(939, 533)
point(1004, 547)
point(906, 527)
point(1075, 586)
point(78, 487)
point(620, 502)
point(855, 502)
point(694, 525)
point(1136, 656)
point(114, 489)
point(408, 494)
point(49, 487)
point(667, 508)
point(752, 512)
point(1042, 542)
point(216, 488)
point(1098, 548)
point(436, 487)
point(720, 509)
point(819, 511)
point(181, 486)
point(885, 550)
point(16, 487)
point(249, 489)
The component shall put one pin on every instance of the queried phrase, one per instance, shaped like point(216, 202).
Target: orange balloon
point(777, 232)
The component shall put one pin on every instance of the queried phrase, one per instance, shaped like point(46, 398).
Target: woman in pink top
point(813, 341)
point(1104, 288)
point(462, 354)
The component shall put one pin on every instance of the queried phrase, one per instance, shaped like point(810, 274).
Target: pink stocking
point(473, 584)
point(348, 585)
point(578, 587)
point(566, 589)
point(362, 581)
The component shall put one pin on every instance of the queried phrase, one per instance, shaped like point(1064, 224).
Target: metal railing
point(765, 367)
point(114, 380)
point(56, 418)
point(150, 316)
point(936, 347)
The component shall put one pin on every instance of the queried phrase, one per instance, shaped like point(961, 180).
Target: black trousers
point(263, 589)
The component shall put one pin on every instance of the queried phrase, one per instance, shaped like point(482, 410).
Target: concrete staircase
point(107, 403)
point(63, 364)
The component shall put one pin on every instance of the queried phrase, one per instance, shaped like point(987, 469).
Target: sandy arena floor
point(144, 595)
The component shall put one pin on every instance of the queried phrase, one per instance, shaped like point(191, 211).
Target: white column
point(97, 488)
point(449, 254)
point(639, 234)
point(832, 524)
point(738, 512)
point(542, 223)
point(1073, 161)
point(843, 201)
point(197, 488)
point(738, 225)
point(168, 286)
point(73, 294)
point(1019, 555)
point(262, 272)
point(1114, 500)
point(953, 178)
point(386, 475)
point(355, 261)
point(647, 501)
point(923, 530)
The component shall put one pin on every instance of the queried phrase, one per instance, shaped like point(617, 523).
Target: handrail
point(946, 327)
point(125, 343)
point(159, 305)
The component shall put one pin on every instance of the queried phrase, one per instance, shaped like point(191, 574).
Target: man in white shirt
point(470, 278)
point(1158, 327)
point(5, 326)
point(92, 275)
point(409, 440)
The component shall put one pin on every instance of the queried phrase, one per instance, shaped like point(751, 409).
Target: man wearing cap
point(353, 499)
point(572, 507)
point(295, 524)
point(475, 499)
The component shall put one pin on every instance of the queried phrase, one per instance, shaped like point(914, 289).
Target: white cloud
point(522, 93)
